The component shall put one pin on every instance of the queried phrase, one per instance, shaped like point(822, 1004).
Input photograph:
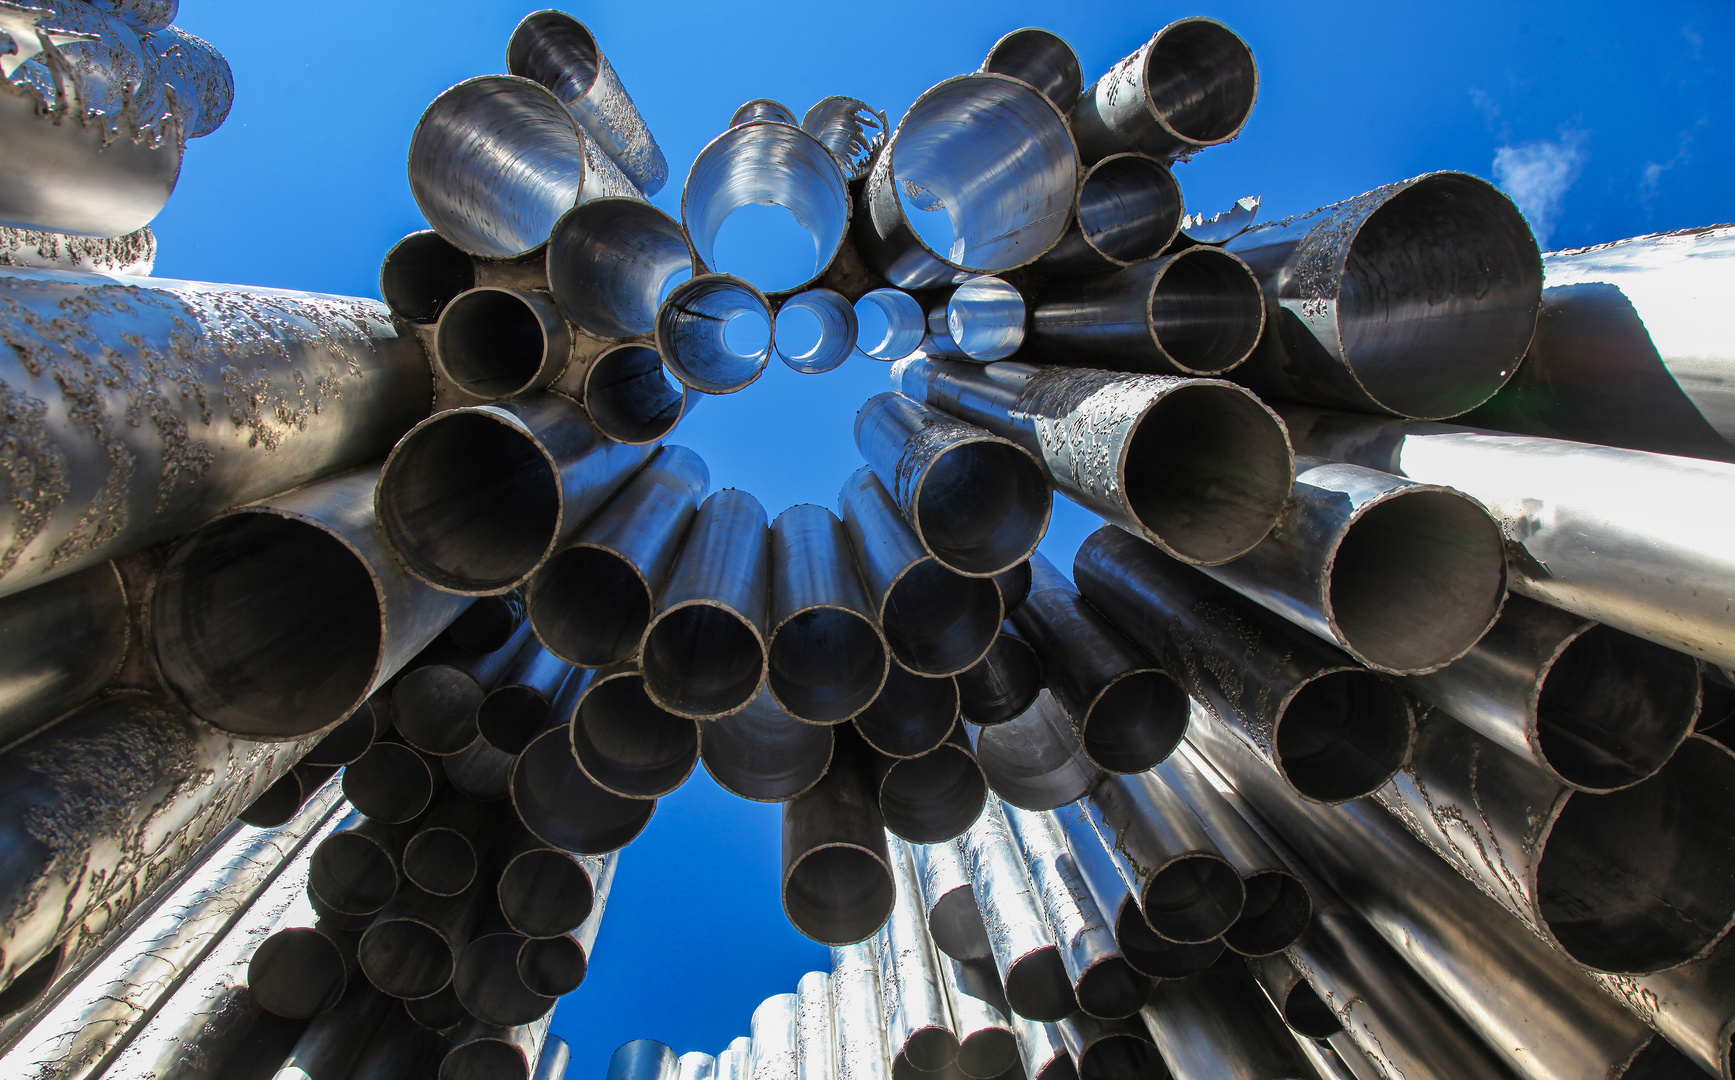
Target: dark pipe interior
point(935, 797)
point(1153, 956)
point(390, 783)
point(1614, 707)
point(545, 893)
point(982, 506)
point(1003, 684)
point(491, 343)
point(1343, 735)
point(1129, 207)
point(440, 861)
point(826, 664)
point(561, 805)
point(352, 874)
point(938, 622)
point(1277, 911)
point(422, 274)
point(1207, 310)
point(628, 744)
point(510, 716)
point(1202, 80)
point(590, 606)
point(912, 714)
point(1037, 986)
point(838, 895)
point(434, 708)
point(703, 659)
point(552, 966)
point(1193, 899)
point(630, 398)
point(1135, 723)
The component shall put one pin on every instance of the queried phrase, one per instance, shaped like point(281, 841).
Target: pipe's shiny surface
point(915, 1012)
point(692, 335)
point(980, 1018)
point(764, 754)
point(981, 320)
point(1189, 892)
point(905, 323)
point(813, 1028)
point(837, 878)
point(858, 1020)
point(1034, 761)
point(59, 643)
point(1191, 86)
point(942, 871)
point(912, 714)
point(1217, 1025)
point(838, 330)
point(625, 742)
point(1023, 947)
point(826, 659)
point(1041, 60)
point(852, 130)
point(1129, 209)
point(932, 797)
point(610, 262)
point(1004, 683)
point(775, 1055)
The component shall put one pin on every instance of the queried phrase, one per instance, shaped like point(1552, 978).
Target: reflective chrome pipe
point(1041, 1050)
point(981, 320)
point(625, 742)
point(915, 1014)
point(1199, 467)
point(936, 621)
point(905, 323)
point(1022, 945)
point(591, 602)
point(995, 157)
point(764, 754)
point(1191, 86)
point(330, 1045)
point(1110, 1049)
point(826, 659)
point(692, 333)
point(610, 263)
point(774, 1051)
point(562, 806)
point(1221, 227)
point(857, 1018)
point(1190, 894)
point(932, 797)
point(1129, 209)
point(837, 877)
point(836, 335)
point(499, 343)
point(763, 110)
point(912, 715)
point(545, 892)
point(518, 705)
point(444, 855)
point(1405, 577)
point(422, 273)
point(1430, 303)
point(350, 739)
point(412, 946)
point(487, 981)
point(436, 699)
point(1041, 60)
point(1004, 683)
point(393, 782)
point(551, 1063)
point(1034, 761)
point(643, 1059)
point(942, 872)
point(980, 1018)
point(1217, 1023)
point(1332, 729)
point(1294, 997)
point(278, 803)
point(852, 130)
point(1129, 714)
point(694, 1065)
point(476, 500)
point(813, 1027)
point(482, 1052)
point(133, 253)
point(64, 640)
point(736, 1060)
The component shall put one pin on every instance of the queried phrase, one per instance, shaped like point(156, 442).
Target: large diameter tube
point(518, 706)
point(59, 644)
point(1332, 729)
point(813, 1028)
point(937, 622)
point(703, 654)
point(1041, 60)
point(693, 335)
point(1200, 468)
point(349, 740)
point(392, 782)
point(444, 855)
point(1128, 713)
point(557, 965)
point(133, 253)
point(422, 273)
point(1023, 946)
point(304, 970)
point(1630, 539)
point(735, 1062)
point(1191, 86)
point(479, 771)
point(826, 660)
point(1403, 576)
point(851, 129)
point(497, 342)
point(560, 52)
point(914, 1010)
point(1189, 892)
point(412, 946)
point(559, 803)
point(837, 878)
point(356, 868)
point(980, 1018)
point(475, 500)
point(1129, 209)
point(544, 892)
point(912, 714)
point(774, 1050)
point(1217, 1023)
point(764, 754)
point(1004, 683)
point(982, 320)
point(611, 261)
point(1034, 761)
point(932, 797)
point(942, 871)
point(1416, 299)
point(591, 602)
point(1110, 1049)
point(904, 321)
point(856, 1015)
point(625, 742)
point(697, 1065)
point(272, 389)
point(1592, 707)
point(436, 698)
point(1294, 997)
point(991, 154)
point(483, 1052)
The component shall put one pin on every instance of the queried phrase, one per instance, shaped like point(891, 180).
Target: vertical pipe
point(392, 782)
point(934, 796)
point(331, 1044)
point(412, 946)
point(445, 854)
point(1112, 1049)
point(982, 320)
point(1004, 683)
point(436, 699)
point(1042, 1051)
point(764, 754)
point(625, 742)
point(557, 965)
point(1023, 947)
point(914, 1012)
point(826, 658)
point(981, 1018)
point(1041, 60)
point(562, 806)
point(522, 698)
point(482, 1052)
point(422, 273)
point(1189, 892)
point(852, 130)
point(942, 870)
point(545, 892)
point(1035, 761)
point(838, 885)
point(1217, 1023)
point(912, 714)
point(774, 1050)
point(692, 337)
point(609, 263)
point(856, 1009)
point(1129, 208)
point(643, 1059)
point(487, 981)
point(813, 1027)
point(356, 869)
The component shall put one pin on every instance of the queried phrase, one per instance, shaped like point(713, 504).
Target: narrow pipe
point(826, 660)
point(482, 1052)
point(1294, 997)
point(1189, 892)
point(763, 110)
point(356, 869)
point(774, 1051)
point(270, 390)
point(1129, 209)
point(499, 343)
point(444, 856)
point(329, 1047)
point(912, 714)
point(1014, 586)
point(1129, 713)
point(905, 323)
point(626, 743)
point(480, 771)
point(438, 695)
point(835, 317)
point(1004, 683)
point(562, 806)
point(488, 984)
point(411, 949)
point(695, 1065)
point(59, 644)
point(1106, 986)
point(813, 1028)
point(936, 621)
point(559, 52)
point(1023, 947)
point(280, 802)
point(1405, 577)
point(628, 395)
point(1041, 60)
point(400, 1049)
point(915, 1013)
point(1200, 468)
point(852, 130)
point(995, 157)
point(764, 754)
point(1111, 1049)
point(552, 1062)
point(133, 253)
point(439, 1012)
point(1217, 1023)
point(590, 603)
point(1332, 729)
point(770, 162)
point(932, 797)
point(856, 1013)
point(981, 320)
point(545, 892)
point(1034, 761)
point(942, 871)
point(837, 878)
point(693, 333)
point(1595, 709)
point(980, 1017)
point(489, 622)
point(703, 654)
point(518, 705)
point(475, 500)
point(1428, 304)
point(643, 1059)
point(350, 739)
point(393, 782)
point(1191, 86)
point(610, 262)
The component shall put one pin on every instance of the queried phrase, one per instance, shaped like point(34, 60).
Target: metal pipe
point(411, 948)
point(980, 1018)
point(837, 877)
point(482, 1052)
point(518, 705)
point(441, 1012)
point(1218, 1024)
point(1111, 1049)
point(552, 1062)
point(591, 602)
point(351, 738)
point(331, 1044)
point(1004, 683)
point(1197, 312)
point(1716, 699)
point(643, 1059)
point(393, 782)
point(489, 622)
point(1189, 893)
point(1191, 86)
point(703, 654)
point(475, 500)
point(1594, 708)
point(198, 74)
point(59, 644)
point(693, 333)
point(936, 621)
point(1332, 729)
point(1041, 1051)
point(561, 805)
point(1035, 761)
point(934, 796)
point(496, 342)
point(1023, 947)
point(1405, 577)
point(912, 714)
point(444, 855)
point(133, 253)
point(942, 871)
point(625, 742)
point(1014, 586)
point(1199, 467)
point(764, 754)
point(981, 320)
point(763, 110)
point(995, 157)
point(355, 870)
point(852, 130)
point(735, 1060)
point(1416, 299)
point(610, 262)
point(629, 396)
point(813, 1028)
point(545, 892)
point(304, 971)
point(1042, 61)
point(422, 273)
point(1129, 209)
point(695, 1065)
point(436, 698)
point(401, 1049)
point(1221, 227)
point(856, 1013)
point(773, 163)
point(836, 334)
point(915, 1013)
point(278, 803)
point(1105, 984)
point(480, 771)
point(1294, 997)
point(826, 660)
point(905, 323)
point(1129, 713)
point(559, 52)
point(774, 1052)
point(487, 980)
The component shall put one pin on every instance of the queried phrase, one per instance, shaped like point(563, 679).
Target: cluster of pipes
point(1357, 743)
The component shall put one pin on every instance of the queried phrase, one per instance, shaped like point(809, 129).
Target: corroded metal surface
point(1192, 85)
point(59, 644)
point(133, 253)
point(855, 998)
point(1024, 949)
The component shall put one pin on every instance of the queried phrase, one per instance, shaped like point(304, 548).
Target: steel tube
point(626, 743)
point(489, 622)
point(1111, 1049)
point(852, 130)
point(855, 1003)
point(995, 157)
point(279, 803)
point(1294, 997)
point(1416, 299)
point(735, 1060)
point(304, 971)
point(826, 660)
point(837, 876)
point(1041, 60)
point(764, 754)
point(561, 805)
point(400, 1049)
point(1023, 947)
point(133, 253)
point(643, 1059)
point(519, 704)
point(1200, 468)
point(610, 263)
point(59, 644)
point(834, 317)
point(498, 343)
point(559, 52)
point(763, 110)
point(813, 1028)
point(1348, 729)
point(1129, 209)
point(487, 980)
point(331, 1044)
point(437, 696)
point(692, 333)
point(905, 324)
point(350, 739)
point(915, 1013)
point(1041, 1051)
point(981, 320)
point(482, 1052)
point(475, 500)
point(479, 771)
point(1004, 683)
point(934, 796)
point(695, 1065)
point(942, 872)
point(356, 869)
point(411, 948)
point(1190, 894)
point(1035, 761)
point(980, 1017)
point(1014, 586)
point(393, 782)
point(551, 1063)
point(629, 396)
point(912, 714)
point(545, 892)
point(444, 856)
point(440, 1013)
point(774, 1050)
point(590, 603)
point(422, 273)
point(936, 621)
point(1217, 1024)
point(1191, 86)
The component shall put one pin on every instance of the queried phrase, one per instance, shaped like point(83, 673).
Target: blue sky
point(1605, 120)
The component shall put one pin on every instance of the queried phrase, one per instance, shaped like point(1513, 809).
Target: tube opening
point(422, 273)
point(434, 708)
point(297, 972)
point(612, 261)
point(826, 664)
point(1207, 472)
point(553, 966)
point(629, 396)
point(938, 622)
point(1003, 684)
point(469, 502)
point(545, 893)
point(1201, 80)
point(1037, 986)
point(1439, 298)
point(627, 744)
point(982, 506)
point(852, 130)
point(351, 874)
point(1135, 723)
point(955, 924)
point(1308, 1015)
point(589, 606)
point(1115, 1057)
point(764, 754)
point(1276, 913)
point(911, 715)
point(563, 808)
point(437, 1012)
point(440, 862)
point(1343, 735)
point(890, 324)
point(485, 1059)
point(1129, 207)
point(487, 624)
point(390, 783)
point(510, 716)
point(493, 343)
point(1151, 955)
point(816, 331)
point(693, 337)
point(838, 894)
point(933, 798)
point(1193, 899)
point(763, 109)
point(557, 51)
point(1111, 989)
point(267, 626)
point(405, 958)
point(1613, 708)
point(987, 1052)
point(1041, 60)
point(985, 318)
point(1207, 310)
point(489, 986)
point(702, 659)
point(276, 805)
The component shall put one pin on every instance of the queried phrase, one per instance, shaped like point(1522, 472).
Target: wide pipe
point(625, 742)
point(1129, 209)
point(773, 1034)
point(826, 658)
point(1004, 683)
point(561, 805)
point(912, 714)
point(412, 946)
point(393, 782)
point(545, 892)
point(813, 1028)
point(1331, 728)
point(611, 261)
point(1034, 761)
point(1189, 892)
point(980, 1018)
point(479, 771)
point(697, 1065)
point(838, 330)
point(1192, 85)
point(942, 871)
point(421, 274)
point(557, 965)
point(916, 1015)
point(981, 320)
point(1110, 1049)
point(484, 1052)
point(445, 854)
point(764, 754)
point(349, 740)
point(856, 1016)
point(936, 621)
point(1199, 467)
point(643, 1059)
point(692, 333)
point(1014, 586)
point(1023, 947)
point(932, 797)
point(436, 698)
point(59, 644)
point(1217, 1024)
point(1415, 299)
point(357, 867)
point(837, 874)
point(133, 253)
point(851, 129)
point(489, 622)
point(517, 708)
point(1041, 60)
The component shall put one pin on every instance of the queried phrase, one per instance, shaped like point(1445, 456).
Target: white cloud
point(1537, 176)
